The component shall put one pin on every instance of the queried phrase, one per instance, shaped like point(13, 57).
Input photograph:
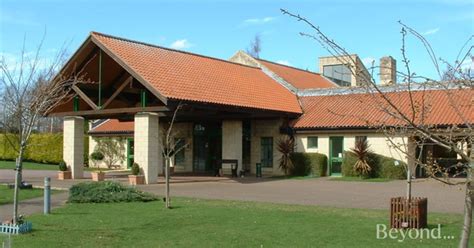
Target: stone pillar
point(147, 145)
point(73, 145)
point(232, 141)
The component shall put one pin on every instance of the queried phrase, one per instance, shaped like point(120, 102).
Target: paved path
point(319, 191)
point(32, 206)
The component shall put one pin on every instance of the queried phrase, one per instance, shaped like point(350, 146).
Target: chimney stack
point(388, 70)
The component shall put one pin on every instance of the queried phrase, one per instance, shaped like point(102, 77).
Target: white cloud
point(181, 44)
point(284, 62)
point(367, 61)
point(259, 20)
point(431, 31)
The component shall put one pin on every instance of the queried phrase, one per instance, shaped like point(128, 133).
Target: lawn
point(215, 223)
point(36, 166)
point(6, 194)
point(28, 166)
point(358, 179)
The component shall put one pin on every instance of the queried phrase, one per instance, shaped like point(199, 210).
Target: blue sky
point(220, 28)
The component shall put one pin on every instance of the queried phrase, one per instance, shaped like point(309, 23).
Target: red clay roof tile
point(113, 126)
point(186, 76)
point(299, 78)
point(366, 110)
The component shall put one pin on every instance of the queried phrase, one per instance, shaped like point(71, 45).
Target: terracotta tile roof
point(185, 76)
point(299, 78)
point(113, 126)
point(363, 110)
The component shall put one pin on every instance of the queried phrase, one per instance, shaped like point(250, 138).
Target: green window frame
point(312, 142)
point(267, 151)
point(179, 157)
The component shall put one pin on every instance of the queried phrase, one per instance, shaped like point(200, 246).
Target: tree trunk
point(18, 179)
point(466, 229)
point(167, 179)
point(408, 183)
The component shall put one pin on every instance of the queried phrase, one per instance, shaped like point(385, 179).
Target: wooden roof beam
point(85, 97)
point(119, 89)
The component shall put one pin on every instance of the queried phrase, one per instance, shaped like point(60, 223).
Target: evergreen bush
point(107, 192)
point(382, 166)
point(305, 164)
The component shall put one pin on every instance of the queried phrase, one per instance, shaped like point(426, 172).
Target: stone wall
point(377, 141)
point(265, 128)
point(353, 62)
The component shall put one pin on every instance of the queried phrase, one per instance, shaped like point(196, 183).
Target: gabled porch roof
point(168, 76)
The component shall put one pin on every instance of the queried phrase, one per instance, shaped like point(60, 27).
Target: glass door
point(336, 151)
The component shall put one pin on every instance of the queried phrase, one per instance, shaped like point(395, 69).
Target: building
point(234, 109)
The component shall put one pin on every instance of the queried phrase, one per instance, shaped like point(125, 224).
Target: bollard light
point(47, 195)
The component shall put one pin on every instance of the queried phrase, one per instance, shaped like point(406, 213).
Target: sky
point(220, 28)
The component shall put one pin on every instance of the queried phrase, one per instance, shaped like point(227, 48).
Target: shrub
point(382, 167)
point(135, 169)
point(97, 156)
point(308, 164)
point(362, 151)
point(62, 166)
point(107, 192)
point(286, 146)
point(388, 169)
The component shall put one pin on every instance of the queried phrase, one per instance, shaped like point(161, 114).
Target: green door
point(336, 151)
point(130, 151)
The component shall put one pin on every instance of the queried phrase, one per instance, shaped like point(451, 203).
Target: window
point(312, 142)
point(267, 151)
point(340, 74)
point(179, 156)
point(360, 138)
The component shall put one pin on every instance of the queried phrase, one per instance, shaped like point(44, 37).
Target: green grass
point(36, 166)
point(28, 166)
point(6, 194)
point(214, 223)
point(358, 179)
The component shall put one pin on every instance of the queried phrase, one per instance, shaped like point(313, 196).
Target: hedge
point(42, 148)
point(382, 166)
point(305, 164)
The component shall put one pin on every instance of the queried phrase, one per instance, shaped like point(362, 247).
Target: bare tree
point(113, 150)
point(409, 117)
point(171, 146)
point(255, 47)
point(31, 88)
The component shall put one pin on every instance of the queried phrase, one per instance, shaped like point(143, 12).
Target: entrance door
point(336, 149)
point(207, 146)
point(130, 150)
